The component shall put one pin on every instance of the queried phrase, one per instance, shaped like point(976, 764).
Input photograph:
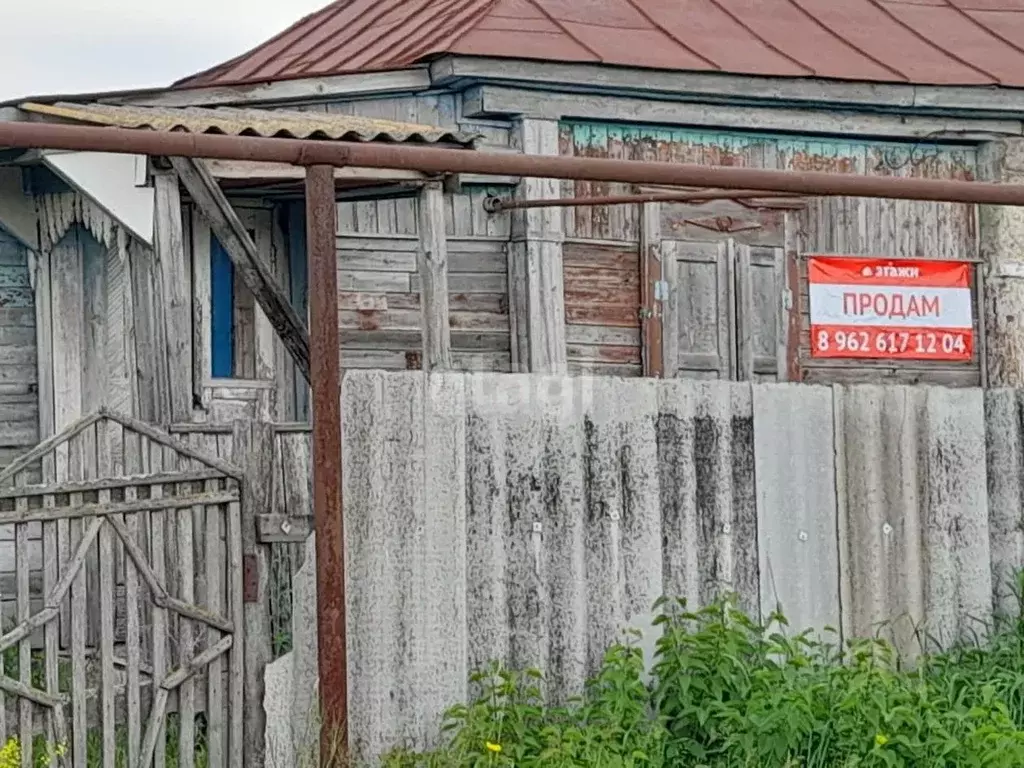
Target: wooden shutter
point(699, 326)
point(760, 318)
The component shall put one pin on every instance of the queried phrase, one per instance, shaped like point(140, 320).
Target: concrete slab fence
point(529, 519)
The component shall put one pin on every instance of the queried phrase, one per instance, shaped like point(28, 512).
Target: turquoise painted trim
point(644, 141)
point(596, 134)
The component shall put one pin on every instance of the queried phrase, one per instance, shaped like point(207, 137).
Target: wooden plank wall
point(19, 401)
point(830, 225)
point(379, 292)
point(602, 301)
point(86, 272)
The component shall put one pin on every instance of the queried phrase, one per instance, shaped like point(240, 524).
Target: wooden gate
point(121, 601)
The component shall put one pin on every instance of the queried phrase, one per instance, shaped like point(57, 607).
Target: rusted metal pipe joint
point(493, 204)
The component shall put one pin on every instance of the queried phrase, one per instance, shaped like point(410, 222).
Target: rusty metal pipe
point(498, 204)
point(431, 160)
point(329, 518)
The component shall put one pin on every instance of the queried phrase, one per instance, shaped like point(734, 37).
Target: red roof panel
point(967, 42)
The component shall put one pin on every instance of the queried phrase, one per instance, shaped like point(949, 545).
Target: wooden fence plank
point(215, 680)
point(79, 620)
point(22, 568)
point(186, 642)
point(236, 674)
point(106, 585)
point(156, 732)
point(56, 732)
point(131, 598)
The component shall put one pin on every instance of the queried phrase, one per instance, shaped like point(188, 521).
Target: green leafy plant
point(728, 692)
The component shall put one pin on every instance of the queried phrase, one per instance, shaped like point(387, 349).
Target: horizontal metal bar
point(431, 160)
point(497, 204)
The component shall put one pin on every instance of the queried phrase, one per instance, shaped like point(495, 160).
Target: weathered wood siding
point(19, 400)
point(379, 288)
point(602, 302)
point(99, 351)
point(728, 265)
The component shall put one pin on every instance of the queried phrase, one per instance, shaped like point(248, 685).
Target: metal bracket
point(787, 299)
point(250, 579)
point(283, 529)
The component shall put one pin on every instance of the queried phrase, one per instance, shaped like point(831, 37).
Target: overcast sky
point(71, 46)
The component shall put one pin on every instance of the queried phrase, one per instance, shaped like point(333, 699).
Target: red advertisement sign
point(890, 308)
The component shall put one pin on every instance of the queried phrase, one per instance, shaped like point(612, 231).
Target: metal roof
point(251, 122)
point(935, 42)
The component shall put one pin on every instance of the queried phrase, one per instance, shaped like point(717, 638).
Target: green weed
point(727, 692)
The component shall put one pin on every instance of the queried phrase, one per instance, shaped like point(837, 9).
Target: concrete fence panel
point(528, 519)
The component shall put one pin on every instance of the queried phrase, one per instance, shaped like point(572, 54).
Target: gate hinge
point(787, 299)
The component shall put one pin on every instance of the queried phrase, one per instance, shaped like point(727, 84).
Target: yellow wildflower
point(493, 747)
point(10, 754)
point(881, 739)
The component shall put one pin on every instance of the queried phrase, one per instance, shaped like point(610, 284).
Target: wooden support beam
point(247, 170)
point(1000, 285)
point(653, 292)
point(212, 204)
point(432, 263)
point(535, 270)
point(253, 449)
point(174, 292)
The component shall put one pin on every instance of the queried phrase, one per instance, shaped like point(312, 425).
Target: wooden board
point(19, 401)
point(602, 305)
point(379, 301)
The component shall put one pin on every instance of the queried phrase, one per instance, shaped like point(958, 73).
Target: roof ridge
point(985, 27)
point(664, 30)
point(353, 33)
point(536, 4)
point(842, 39)
point(481, 14)
point(916, 33)
point(240, 57)
point(347, 35)
point(446, 25)
point(766, 43)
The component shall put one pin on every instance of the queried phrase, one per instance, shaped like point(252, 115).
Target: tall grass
point(727, 692)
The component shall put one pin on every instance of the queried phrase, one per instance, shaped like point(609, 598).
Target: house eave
point(460, 72)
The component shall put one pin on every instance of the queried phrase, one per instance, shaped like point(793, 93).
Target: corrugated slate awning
point(266, 123)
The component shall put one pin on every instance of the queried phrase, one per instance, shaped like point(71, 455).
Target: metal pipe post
point(328, 513)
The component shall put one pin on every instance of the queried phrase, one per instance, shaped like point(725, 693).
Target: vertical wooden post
point(1000, 240)
point(253, 452)
point(175, 292)
point(328, 512)
point(535, 270)
point(432, 264)
point(202, 309)
point(653, 290)
point(788, 354)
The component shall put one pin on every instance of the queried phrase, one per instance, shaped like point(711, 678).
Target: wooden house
point(714, 290)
